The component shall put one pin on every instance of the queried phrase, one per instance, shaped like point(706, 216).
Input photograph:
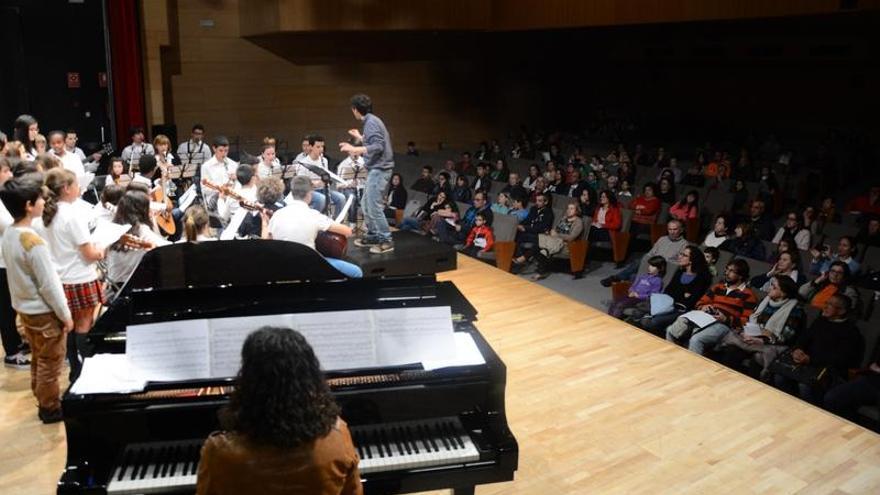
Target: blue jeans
point(374, 205)
point(319, 201)
point(350, 270)
point(708, 337)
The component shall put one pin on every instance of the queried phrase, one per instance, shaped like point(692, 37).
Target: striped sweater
point(736, 302)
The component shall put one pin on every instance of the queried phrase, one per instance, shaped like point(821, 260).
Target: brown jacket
point(231, 464)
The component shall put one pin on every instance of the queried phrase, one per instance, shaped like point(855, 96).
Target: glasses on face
point(837, 271)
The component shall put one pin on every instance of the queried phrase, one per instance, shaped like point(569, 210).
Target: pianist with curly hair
point(283, 430)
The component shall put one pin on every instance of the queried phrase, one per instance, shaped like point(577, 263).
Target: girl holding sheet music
point(67, 232)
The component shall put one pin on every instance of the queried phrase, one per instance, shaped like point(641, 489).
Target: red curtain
point(126, 58)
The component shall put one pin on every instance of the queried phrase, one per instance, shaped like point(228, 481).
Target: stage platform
point(413, 254)
point(597, 407)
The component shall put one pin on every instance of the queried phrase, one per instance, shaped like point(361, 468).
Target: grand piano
point(414, 429)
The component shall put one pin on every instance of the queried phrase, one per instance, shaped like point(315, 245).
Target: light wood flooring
point(597, 407)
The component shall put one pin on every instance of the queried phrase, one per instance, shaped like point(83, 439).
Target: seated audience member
point(480, 239)
point(500, 171)
point(282, 430)
point(502, 204)
point(719, 232)
point(785, 245)
point(671, 171)
point(740, 203)
point(760, 221)
point(606, 218)
point(793, 229)
point(425, 182)
point(693, 176)
point(540, 187)
point(686, 287)
point(846, 252)
point(650, 282)
point(745, 243)
point(591, 180)
point(411, 149)
point(534, 173)
point(624, 194)
point(482, 182)
point(133, 209)
point(869, 235)
point(572, 174)
point(646, 206)
point(462, 191)
point(808, 220)
point(687, 208)
point(514, 187)
point(396, 197)
point(768, 186)
point(299, 223)
point(421, 219)
point(550, 172)
point(442, 184)
point(835, 280)
point(587, 202)
point(712, 254)
point(786, 265)
point(36, 292)
point(456, 234)
point(668, 247)
point(827, 212)
point(538, 221)
point(519, 208)
point(822, 353)
point(569, 228)
point(730, 302)
point(557, 184)
point(451, 174)
point(465, 165)
point(866, 204)
point(845, 399)
point(666, 191)
point(779, 318)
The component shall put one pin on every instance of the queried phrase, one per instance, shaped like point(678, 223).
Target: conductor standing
point(375, 146)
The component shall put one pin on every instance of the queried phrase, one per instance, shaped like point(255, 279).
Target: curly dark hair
point(281, 399)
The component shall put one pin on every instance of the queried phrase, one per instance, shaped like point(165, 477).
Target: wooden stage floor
point(597, 407)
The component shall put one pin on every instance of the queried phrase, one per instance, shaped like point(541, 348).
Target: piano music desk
point(597, 407)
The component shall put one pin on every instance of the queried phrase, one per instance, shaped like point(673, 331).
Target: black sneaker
point(366, 242)
point(20, 360)
point(385, 247)
point(608, 281)
point(49, 417)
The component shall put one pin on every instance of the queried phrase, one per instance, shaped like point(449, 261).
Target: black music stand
point(325, 178)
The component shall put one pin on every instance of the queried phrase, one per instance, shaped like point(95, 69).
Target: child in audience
point(687, 208)
point(67, 232)
point(480, 239)
point(712, 254)
point(37, 293)
point(501, 204)
point(645, 284)
point(462, 191)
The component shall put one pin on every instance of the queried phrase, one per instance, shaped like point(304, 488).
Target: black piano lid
point(257, 277)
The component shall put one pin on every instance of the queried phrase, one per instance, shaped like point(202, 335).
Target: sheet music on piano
point(211, 348)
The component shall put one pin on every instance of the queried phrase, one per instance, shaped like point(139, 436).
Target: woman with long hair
point(687, 208)
point(25, 131)
point(283, 433)
point(687, 286)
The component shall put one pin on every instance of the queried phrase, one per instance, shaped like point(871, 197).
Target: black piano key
point(385, 442)
point(427, 438)
point(159, 458)
point(453, 436)
point(168, 461)
point(175, 458)
point(126, 458)
point(198, 457)
point(447, 436)
point(456, 434)
point(358, 443)
point(188, 457)
point(402, 445)
point(148, 454)
point(412, 436)
point(378, 444)
point(135, 462)
point(440, 436)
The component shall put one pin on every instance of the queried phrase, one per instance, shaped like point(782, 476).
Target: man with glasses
point(457, 234)
point(667, 246)
point(729, 303)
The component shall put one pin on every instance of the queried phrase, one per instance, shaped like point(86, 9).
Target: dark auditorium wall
point(44, 40)
point(694, 79)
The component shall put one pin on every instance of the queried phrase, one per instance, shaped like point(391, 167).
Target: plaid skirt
point(83, 296)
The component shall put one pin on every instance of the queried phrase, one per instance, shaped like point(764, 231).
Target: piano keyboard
point(163, 466)
point(412, 444)
point(157, 467)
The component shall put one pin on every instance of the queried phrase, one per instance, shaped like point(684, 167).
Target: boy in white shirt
point(68, 160)
point(218, 170)
point(37, 293)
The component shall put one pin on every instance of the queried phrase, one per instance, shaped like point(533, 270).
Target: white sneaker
point(20, 360)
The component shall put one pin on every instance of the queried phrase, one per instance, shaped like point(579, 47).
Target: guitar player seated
point(297, 222)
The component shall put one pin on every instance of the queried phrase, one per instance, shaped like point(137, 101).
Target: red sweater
point(645, 206)
point(612, 218)
point(483, 231)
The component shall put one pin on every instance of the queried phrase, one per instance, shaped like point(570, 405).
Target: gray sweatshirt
point(379, 153)
point(33, 282)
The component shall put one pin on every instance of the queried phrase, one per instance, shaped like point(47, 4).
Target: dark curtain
point(126, 58)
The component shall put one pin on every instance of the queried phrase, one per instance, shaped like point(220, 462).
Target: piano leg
point(467, 490)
